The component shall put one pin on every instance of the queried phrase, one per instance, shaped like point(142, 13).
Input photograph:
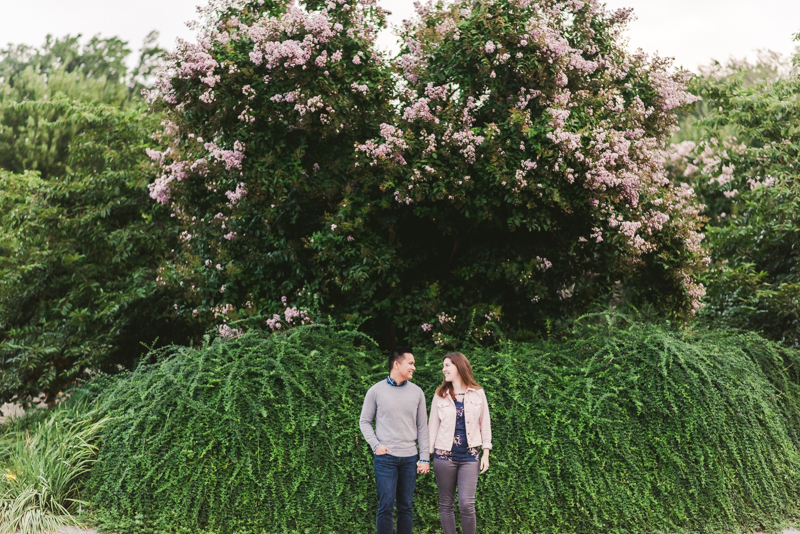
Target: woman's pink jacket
point(442, 423)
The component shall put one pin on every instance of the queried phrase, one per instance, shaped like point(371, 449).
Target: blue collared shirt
point(392, 382)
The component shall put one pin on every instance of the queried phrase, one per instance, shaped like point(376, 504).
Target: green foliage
point(743, 165)
point(41, 471)
point(628, 429)
point(79, 257)
point(38, 137)
point(507, 163)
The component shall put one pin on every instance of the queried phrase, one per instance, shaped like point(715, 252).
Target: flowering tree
point(506, 167)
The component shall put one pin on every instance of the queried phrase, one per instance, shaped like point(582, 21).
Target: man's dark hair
point(397, 355)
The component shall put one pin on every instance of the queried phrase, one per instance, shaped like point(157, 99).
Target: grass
point(41, 468)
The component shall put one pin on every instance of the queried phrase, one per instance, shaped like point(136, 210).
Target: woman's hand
point(485, 461)
point(381, 450)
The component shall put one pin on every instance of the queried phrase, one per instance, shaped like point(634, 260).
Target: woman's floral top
point(460, 452)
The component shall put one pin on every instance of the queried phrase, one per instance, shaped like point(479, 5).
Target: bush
point(41, 469)
point(508, 162)
point(636, 429)
point(94, 71)
point(744, 169)
point(79, 259)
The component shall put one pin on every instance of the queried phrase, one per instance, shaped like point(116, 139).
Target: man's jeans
point(396, 478)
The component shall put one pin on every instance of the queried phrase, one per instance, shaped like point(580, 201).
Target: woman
point(459, 427)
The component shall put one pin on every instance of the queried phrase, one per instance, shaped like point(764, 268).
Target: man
point(401, 424)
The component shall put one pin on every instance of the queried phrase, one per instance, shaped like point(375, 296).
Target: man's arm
point(423, 440)
point(367, 417)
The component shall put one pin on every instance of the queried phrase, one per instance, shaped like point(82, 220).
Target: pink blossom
point(208, 96)
point(155, 155)
point(289, 53)
point(275, 322)
point(391, 147)
point(360, 88)
point(237, 194)
point(231, 158)
point(228, 332)
point(419, 110)
point(559, 116)
point(671, 88)
point(543, 264)
point(159, 189)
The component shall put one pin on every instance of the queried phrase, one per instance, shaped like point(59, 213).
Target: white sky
point(692, 31)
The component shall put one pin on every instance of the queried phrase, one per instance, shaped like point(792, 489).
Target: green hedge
point(638, 429)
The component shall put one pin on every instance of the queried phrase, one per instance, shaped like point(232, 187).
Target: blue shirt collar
point(392, 382)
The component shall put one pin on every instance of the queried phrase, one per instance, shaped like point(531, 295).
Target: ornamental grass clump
point(42, 468)
point(631, 429)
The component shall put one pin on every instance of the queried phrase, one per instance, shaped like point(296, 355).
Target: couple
point(458, 428)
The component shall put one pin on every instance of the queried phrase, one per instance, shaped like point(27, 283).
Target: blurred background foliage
point(33, 138)
point(80, 240)
point(738, 148)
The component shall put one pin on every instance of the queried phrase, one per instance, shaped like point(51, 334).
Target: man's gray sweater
point(401, 419)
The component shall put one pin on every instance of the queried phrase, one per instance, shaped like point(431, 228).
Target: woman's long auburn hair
point(464, 368)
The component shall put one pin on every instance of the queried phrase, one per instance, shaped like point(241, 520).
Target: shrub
point(37, 138)
point(744, 167)
point(509, 162)
point(633, 429)
point(79, 259)
point(41, 470)
point(80, 242)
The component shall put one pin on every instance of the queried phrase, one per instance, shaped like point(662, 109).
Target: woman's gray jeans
point(449, 475)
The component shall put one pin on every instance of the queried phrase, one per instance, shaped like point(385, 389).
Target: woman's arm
point(486, 433)
point(485, 461)
point(486, 424)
